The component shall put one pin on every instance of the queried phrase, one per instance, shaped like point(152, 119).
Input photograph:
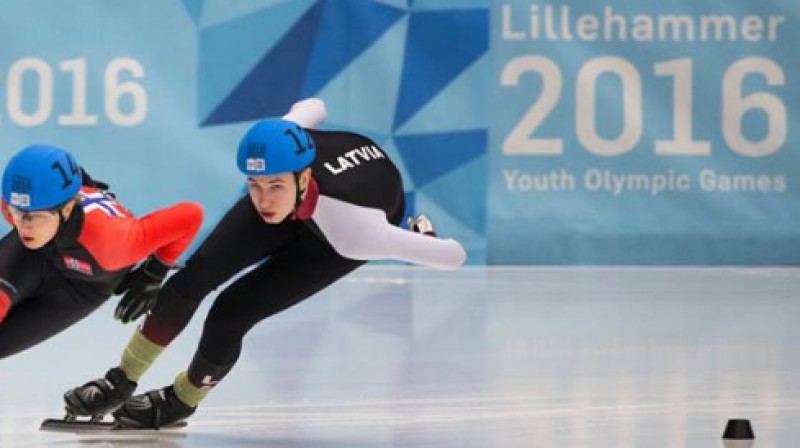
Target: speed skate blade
point(53, 424)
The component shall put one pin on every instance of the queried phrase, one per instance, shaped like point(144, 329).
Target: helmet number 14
point(73, 170)
point(301, 148)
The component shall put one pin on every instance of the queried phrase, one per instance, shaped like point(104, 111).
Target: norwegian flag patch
point(77, 265)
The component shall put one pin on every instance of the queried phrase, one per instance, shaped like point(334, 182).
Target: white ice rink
point(484, 358)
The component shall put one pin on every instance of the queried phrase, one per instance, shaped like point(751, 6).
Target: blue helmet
point(41, 177)
point(275, 146)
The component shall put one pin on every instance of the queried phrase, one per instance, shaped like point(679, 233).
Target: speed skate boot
point(421, 224)
point(153, 409)
point(99, 397)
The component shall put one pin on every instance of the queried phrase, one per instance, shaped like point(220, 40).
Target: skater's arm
point(116, 243)
point(308, 113)
point(363, 233)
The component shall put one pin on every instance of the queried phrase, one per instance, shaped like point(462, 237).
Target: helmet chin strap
point(62, 221)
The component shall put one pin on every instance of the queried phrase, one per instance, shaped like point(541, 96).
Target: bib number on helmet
point(300, 147)
point(73, 170)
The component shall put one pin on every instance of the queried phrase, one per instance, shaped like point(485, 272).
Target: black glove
point(141, 287)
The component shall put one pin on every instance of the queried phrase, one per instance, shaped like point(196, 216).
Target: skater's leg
point(22, 275)
point(54, 308)
point(213, 264)
point(290, 276)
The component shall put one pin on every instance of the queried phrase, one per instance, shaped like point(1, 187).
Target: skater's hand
point(141, 287)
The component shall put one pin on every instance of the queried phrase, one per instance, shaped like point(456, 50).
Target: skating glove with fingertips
point(141, 287)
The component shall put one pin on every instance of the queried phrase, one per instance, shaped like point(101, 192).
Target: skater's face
point(274, 195)
point(37, 228)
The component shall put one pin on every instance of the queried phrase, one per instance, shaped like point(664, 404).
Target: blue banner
point(154, 100)
point(644, 133)
point(558, 132)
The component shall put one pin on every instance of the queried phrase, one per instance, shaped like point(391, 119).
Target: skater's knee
point(11, 345)
point(223, 326)
point(169, 317)
point(179, 288)
point(172, 301)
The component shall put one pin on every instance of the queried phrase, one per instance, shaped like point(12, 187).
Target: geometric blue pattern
point(353, 51)
point(441, 44)
point(429, 156)
point(194, 8)
point(252, 35)
point(461, 189)
point(349, 27)
point(463, 104)
point(276, 82)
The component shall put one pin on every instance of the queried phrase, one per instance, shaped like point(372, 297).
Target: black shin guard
point(204, 373)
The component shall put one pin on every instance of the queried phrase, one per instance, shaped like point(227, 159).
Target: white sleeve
point(308, 113)
point(363, 233)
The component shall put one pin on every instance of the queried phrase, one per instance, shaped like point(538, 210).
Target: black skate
point(153, 409)
point(99, 397)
